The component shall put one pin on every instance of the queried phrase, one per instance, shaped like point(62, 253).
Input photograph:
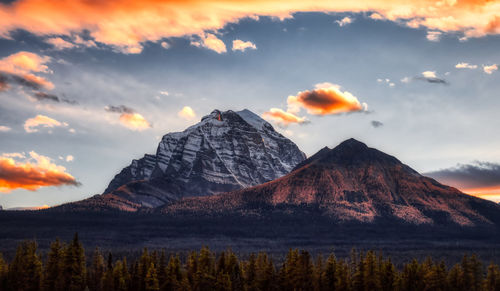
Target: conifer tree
point(371, 274)
point(108, 279)
point(492, 281)
point(162, 271)
point(388, 276)
point(53, 267)
point(234, 271)
point(412, 277)
point(251, 273)
point(455, 278)
point(74, 272)
point(96, 272)
point(206, 270)
point(25, 271)
point(331, 272)
point(151, 279)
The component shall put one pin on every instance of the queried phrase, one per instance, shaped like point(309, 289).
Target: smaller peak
point(352, 143)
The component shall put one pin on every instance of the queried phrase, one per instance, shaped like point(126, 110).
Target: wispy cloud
point(4, 128)
point(42, 96)
point(239, 45)
point(344, 21)
point(465, 66)
point(282, 117)
point(431, 77)
point(32, 124)
point(434, 36)
point(376, 123)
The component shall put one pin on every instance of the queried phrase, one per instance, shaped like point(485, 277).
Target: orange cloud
point(239, 45)
point(282, 117)
point(134, 121)
point(31, 124)
point(490, 69)
point(21, 67)
point(31, 173)
point(325, 99)
point(187, 113)
point(127, 24)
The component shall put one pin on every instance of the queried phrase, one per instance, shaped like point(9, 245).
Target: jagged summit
point(225, 151)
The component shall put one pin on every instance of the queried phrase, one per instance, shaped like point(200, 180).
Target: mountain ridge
point(353, 182)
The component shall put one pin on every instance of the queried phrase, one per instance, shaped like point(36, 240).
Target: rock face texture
point(225, 151)
point(353, 182)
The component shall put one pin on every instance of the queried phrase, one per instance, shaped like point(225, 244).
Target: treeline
point(65, 268)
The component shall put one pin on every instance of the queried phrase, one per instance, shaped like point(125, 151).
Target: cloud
point(59, 43)
point(4, 85)
point(20, 69)
point(187, 113)
point(165, 45)
point(325, 99)
point(490, 69)
point(19, 172)
point(344, 21)
point(239, 45)
point(469, 176)
point(434, 36)
point(4, 128)
point(126, 25)
point(42, 96)
point(134, 121)
point(376, 123)
point(431, 77)
point(31, 124)
point(387, 81)
point(129, 118)
point(119, 109)
point(405, 80)
point(376, 16)
point(69, 158)
point(210, 41)
point(283, 118)
point(465, 66)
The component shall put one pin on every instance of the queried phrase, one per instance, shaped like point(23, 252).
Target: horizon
point(83, 95)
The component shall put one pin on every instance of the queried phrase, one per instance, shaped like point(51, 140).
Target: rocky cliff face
point(225, 151)
point(353, 182)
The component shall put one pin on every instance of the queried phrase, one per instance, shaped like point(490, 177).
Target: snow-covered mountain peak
point(226, 150)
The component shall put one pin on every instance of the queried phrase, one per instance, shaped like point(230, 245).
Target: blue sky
point(428, 125)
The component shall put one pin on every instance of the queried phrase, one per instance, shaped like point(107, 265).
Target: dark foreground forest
point(66, 267)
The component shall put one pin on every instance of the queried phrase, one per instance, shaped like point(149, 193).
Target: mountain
point(355, 183)
point(225, 151)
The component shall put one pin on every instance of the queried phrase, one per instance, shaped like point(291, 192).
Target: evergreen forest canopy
point(65, 267)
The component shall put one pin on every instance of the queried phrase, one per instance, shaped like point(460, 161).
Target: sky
point(87, 86)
